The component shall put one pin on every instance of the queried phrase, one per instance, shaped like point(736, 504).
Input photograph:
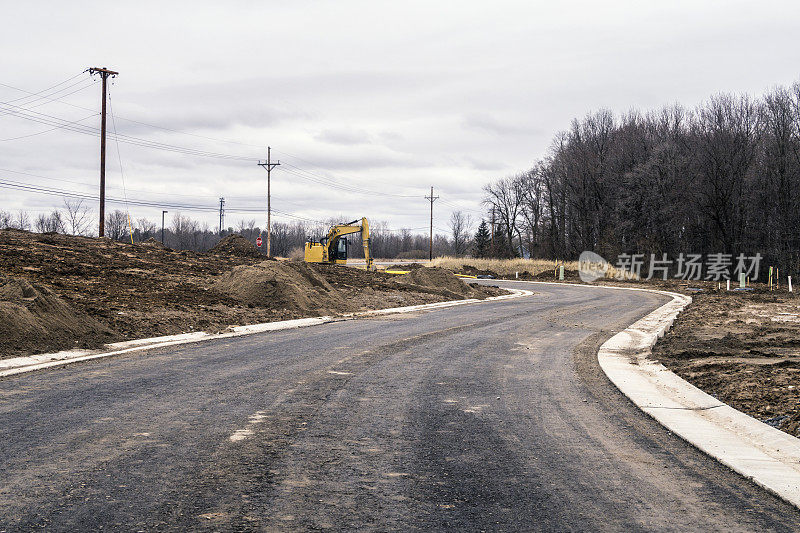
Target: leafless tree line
point(721, 178)
point(287, 239)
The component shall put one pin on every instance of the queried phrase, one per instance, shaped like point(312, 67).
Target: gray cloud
point(343, 136)
point(487, 122)
point(439, 96)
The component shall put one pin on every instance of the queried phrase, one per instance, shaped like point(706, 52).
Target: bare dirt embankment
point(59, 292)
point(743, 348)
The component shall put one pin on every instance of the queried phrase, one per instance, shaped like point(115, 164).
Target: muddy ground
point(744, 349)
point(59, 292)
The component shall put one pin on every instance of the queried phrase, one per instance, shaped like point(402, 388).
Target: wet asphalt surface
point(491, 416)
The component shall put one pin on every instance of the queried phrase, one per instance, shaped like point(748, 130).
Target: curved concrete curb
point(766, 455)
point(20, 365)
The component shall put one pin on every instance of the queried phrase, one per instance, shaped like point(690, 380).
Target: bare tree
point(6, 220)
point(52, 223)
point(183, 229)
point(116, 227)
point(22, 221)
point(461, 230)
point(145, 229)
point(78, 216)
point(532, 190)
point(505, 196)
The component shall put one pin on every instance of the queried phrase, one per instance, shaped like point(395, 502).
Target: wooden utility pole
point(104, 74)
point(163, 213)
point(432, 198)
point(269, 165)
point(221, 214)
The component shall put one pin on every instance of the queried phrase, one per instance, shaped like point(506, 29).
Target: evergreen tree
point(483, 241)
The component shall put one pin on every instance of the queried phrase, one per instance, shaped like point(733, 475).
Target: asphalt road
point(492, 416)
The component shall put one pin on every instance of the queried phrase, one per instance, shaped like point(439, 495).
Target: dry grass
point(504, 267)
point(508, 267)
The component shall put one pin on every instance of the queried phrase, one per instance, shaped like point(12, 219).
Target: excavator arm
point(330, 243)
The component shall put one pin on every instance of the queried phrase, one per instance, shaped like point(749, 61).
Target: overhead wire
point(43, 90)
point(49, 95)
point(48, 130)
point(121, 172)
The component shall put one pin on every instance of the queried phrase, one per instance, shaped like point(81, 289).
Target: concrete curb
point(768, 456)
point(20, 365)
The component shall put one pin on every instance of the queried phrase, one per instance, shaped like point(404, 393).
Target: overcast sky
point(385, 98)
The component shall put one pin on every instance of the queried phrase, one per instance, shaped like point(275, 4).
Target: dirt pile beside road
point(442, 281)
point(472, 271)
point(293, 286)
point(235, 245)
point(33, 317)
point(743, 348)
point(145, 290)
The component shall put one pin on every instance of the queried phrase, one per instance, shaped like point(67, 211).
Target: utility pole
point(269, 165)
point(162, 225)
point(104, 74)
point(432, 198)
point(221, 214)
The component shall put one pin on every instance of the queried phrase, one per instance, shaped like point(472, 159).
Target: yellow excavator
point(333, 247)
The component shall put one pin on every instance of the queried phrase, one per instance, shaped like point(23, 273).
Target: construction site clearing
point(60, 292)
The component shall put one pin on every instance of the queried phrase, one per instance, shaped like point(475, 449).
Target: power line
point(355, 188)
point(314, 178)
point(228, 141)
point(48, 130)
point(121, 172)
point(6, 183)
point(43, 90)
point(50, 120)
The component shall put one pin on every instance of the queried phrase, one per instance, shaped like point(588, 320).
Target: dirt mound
point(33, 317)
point(473, 271)
point(550, 275)
point(235, 244)
point(152, 243)
point(290, 285)
point(436, 278)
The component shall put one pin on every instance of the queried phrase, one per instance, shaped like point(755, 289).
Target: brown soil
point(235, 245)
point(441, 281)
point(470, 270)
point(152, 242)
point(742, 348)
point(32, 316)
point(289, 285)
point(59, 291)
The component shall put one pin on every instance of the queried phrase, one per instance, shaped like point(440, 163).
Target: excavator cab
point(339, 250)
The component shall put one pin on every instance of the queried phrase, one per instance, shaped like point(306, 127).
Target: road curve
point(493, 416)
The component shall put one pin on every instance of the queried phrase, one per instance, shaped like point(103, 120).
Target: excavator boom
point(333, 247)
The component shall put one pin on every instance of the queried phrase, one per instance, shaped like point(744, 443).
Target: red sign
point(258, 242)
